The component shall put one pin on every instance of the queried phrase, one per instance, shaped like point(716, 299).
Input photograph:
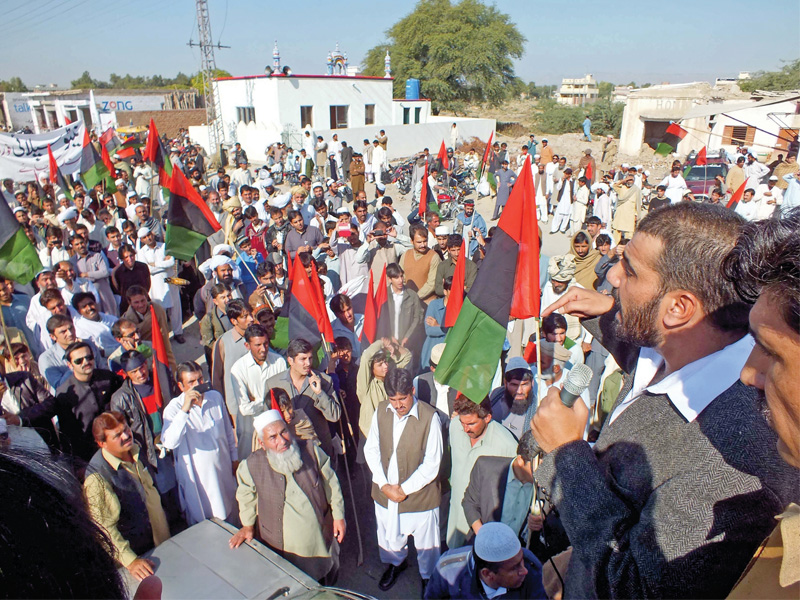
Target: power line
point(31, 15)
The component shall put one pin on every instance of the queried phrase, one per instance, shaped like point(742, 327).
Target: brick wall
point(167, 121)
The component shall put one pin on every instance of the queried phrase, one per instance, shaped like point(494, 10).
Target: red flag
point(676, 130)
point(737, 195)
point(701, 158)
point(67, 121)
point(160, 356)
point(486, 155)
point(273, 402)
point(56, 177)
point(307, 299)
point(107, 160)
point(519, 216)
point(106, 136)
point(442, 156)
point(456, 299)
point(372, 312)
point(425, 194)
point(588, 173)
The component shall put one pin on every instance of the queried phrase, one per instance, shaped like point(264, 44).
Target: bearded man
point(290, 499)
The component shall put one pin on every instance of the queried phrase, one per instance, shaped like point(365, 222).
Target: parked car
point(198, 563)
point(701, 179)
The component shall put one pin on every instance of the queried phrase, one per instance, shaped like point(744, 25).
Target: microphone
point(576, 383)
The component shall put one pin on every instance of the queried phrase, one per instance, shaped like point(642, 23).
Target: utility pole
point(208, 70)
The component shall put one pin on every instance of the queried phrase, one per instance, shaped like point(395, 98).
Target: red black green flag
point(737, 195)
point(675, 133)
point(189, 220)
point(487, 154)
point(18, 257)
point(154, 152)
point(308, 317)
point(56, 176)
point(93, 170)
point(456, 299)
point(442, 157)
point(507, 286)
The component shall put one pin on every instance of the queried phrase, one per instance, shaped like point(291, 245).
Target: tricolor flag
point(486, 156)
point(154, 152)
point(93, 170)
point(108, 139)
point(426, 198)
point(372, 312)
point(18, 257)
point(442, 157)
point(737, 195)
point(456, 299)
point(507, 286)
point(675, 133)
point(161, 389)
point(56, 177)
point(308, 317)
point(189, 220)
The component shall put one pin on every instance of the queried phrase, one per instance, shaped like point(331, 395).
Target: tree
point(461, 53)
point(776, 81)
point(555, 118)
point(197, 80)
point(13, 85)
point(85, 81)
point(540, 91)
point(605, 89)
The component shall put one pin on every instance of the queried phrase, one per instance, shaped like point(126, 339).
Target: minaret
point(387, 66)
point(330, 64)
point(276, 58)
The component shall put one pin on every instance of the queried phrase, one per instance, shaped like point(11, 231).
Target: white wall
point(763, 141)
point(18, 112)
point(398, 106)
point(632, 134)
point(404, 140)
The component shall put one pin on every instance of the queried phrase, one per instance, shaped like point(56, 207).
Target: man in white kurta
point(394, 523)
point(675, 184)
point(564, 191)
point(579, 207)
point(162, 267)
point(198, 431)
point(378, 161)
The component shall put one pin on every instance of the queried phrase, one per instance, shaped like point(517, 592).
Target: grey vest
point(134, 521)
point(271, 488)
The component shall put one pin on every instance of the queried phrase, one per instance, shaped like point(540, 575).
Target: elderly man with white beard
point(289, 487)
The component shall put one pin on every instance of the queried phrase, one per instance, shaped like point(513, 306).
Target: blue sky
point(54, 41)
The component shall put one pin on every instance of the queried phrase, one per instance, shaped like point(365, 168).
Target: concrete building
point(577, 92)
point(649, 111)
point(259, 110)
point(50, 109)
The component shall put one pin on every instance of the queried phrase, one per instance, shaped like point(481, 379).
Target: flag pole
point(535, 508)
point(350, 482)
point(5, 336)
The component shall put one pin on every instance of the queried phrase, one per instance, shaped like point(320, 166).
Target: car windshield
point(705, 172)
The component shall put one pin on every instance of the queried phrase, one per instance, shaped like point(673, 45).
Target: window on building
point(406, 116)
point(785, 136)
point(417, 113)
point(369, 114)
point(338, 117)
point(245, 114)
point(306, 116)
point(738, 136)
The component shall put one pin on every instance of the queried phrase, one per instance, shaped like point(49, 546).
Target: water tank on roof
point(412, 89)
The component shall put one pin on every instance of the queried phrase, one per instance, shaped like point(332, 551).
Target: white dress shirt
point(692, 387)
point(249, 379)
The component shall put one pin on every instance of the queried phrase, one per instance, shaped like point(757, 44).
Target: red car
point(701, 179)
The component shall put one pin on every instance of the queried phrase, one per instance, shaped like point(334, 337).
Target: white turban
point(220, 248)
point(70, 213)
point(266, 418)
point(280, 201)
point(143, 231)
point(219, 260)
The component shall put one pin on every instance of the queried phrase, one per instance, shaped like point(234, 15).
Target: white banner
point(24, 157)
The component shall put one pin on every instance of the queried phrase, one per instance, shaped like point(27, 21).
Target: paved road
point(365, 578)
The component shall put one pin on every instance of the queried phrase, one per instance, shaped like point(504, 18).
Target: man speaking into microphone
point(684, 480)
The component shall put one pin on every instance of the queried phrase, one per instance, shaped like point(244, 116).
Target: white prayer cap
point(496, 544)
point(269, 182)
point(318, 184)
point(280, 201)
point(329, 182)
point(639, 167)
point(342, 210)
point(774, 178)
point(647, 173)
point(442, 230)
point(537, 156)
point(436, 353)
point(625, 166)
point(119, 182)
point(219, 260)
point(266, 418)
point(70, 213)
point(19, 209)
point(219, 249)
point(61, 195)
point(143, 231)
point(131, 194)
point(380, 186)
point(202, 188)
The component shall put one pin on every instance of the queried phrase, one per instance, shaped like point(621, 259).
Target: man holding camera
point(198, 431)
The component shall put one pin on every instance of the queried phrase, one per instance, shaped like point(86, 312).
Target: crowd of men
point(661, 482)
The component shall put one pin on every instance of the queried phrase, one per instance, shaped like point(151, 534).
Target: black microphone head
point(576, 383)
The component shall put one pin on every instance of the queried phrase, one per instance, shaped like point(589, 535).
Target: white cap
point(269, 182)
point(131, 194)
point(496, 544)
point(203, 188)
point(329, 182)
point(318, 184)
point(220, 248)
point(773, 178)
point(647, 173)
point(342, 210)
point(266, 418)
point(70, 213)
point(625, 166)
point(19, 209)
point(380, 186)
point(639, 167)
point(219, 260)
point(281, 200)
point(442, 230)
point(537, 156)
point(61, 195)
point(119, 182)
point(143, 231)
point(436, 353)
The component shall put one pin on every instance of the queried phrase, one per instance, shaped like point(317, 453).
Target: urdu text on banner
point(23, 157)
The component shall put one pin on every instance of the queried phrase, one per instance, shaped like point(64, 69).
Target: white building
point(259, 110)
point(577, 92)
point(716, 117)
